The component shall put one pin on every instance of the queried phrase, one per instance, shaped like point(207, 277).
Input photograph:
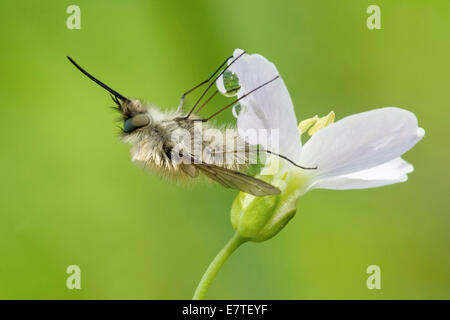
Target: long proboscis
point(104, 86)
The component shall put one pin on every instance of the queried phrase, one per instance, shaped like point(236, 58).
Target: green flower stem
point(216, 264)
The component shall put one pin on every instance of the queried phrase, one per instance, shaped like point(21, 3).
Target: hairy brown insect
point(167, 142)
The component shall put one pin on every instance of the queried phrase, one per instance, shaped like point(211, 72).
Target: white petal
point(385, 174)
point(361, 141)
point(267, 108)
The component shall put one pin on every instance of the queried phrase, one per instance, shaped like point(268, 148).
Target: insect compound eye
point(135, 122)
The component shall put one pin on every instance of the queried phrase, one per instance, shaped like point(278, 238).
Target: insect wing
point(237, 180)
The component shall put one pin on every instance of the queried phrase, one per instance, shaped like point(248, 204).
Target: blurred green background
point(70, 195)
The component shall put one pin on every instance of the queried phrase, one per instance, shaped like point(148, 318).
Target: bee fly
point(150, 131)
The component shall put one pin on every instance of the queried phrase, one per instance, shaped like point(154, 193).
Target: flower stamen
point(315, 124)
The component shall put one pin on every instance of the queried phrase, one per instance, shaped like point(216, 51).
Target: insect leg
point(273, 153)
point(289, 160)
point(180, 106)
point(206, 102)
point(212, 83)
point(237, 100)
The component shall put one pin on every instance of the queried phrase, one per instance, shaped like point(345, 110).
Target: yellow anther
point(316, 123)
point(306, 124)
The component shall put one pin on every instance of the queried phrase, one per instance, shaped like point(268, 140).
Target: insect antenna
point(104, 86)
point(212, 83)
point(237, 100)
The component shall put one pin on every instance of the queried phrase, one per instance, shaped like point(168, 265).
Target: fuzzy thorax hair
point(171, 145)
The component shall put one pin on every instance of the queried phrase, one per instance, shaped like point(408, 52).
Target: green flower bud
point(260, 218)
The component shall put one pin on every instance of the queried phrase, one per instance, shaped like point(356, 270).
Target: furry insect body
point(153, 145)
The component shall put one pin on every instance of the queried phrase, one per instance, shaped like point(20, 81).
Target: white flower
point(359, 151)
